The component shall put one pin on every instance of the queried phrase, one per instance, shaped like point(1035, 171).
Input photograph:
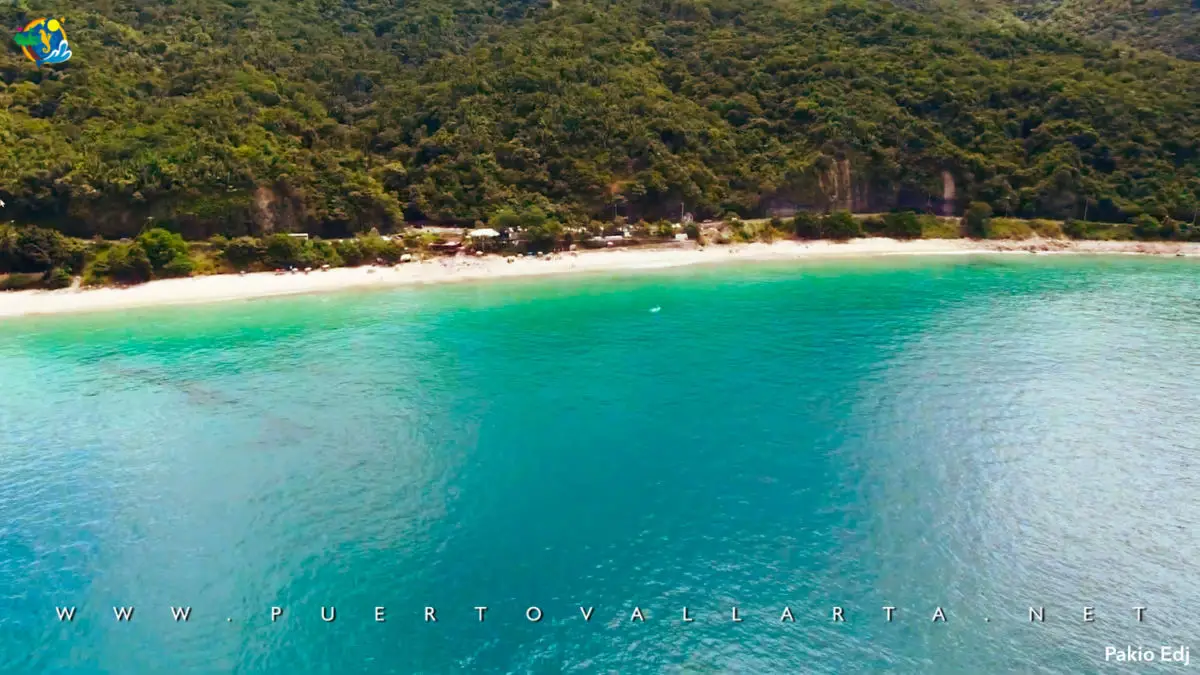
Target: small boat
point(655, 310)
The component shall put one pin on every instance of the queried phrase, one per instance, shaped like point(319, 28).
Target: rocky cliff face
point(842, 186)
point(843, 190)
point(949, 194)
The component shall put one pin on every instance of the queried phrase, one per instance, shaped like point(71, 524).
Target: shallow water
point(980, 434)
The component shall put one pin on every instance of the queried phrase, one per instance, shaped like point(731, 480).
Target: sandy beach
point(440, 270)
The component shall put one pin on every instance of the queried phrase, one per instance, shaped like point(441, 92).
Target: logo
point(44, 41)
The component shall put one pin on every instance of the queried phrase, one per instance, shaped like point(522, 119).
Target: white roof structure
point(484, 232)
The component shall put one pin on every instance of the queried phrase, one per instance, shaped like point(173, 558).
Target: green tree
point(374, 247)
point(281, 251)
point(544, 236)
point(124, 263)
point(1147, 226)
point(38, 249)
point(325, 253)
point(162, 248)
point(57, 278)
point(243, 253)
point(533, 217)
point(8, 248)
point(351, 252)
point(504, 219)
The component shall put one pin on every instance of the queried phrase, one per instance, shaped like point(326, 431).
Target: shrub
point(1169, 230)
point(976, 219)
point(875, 226)
point(740, 232)
point(20, 281)
point(375, 247)
point(412, 239)
point(806, 226)
point(1050, 229)
point(1108, 231)
point(206, 261)
point(544, 236)
point(57, 278)
point(243, 252)
point(902, 225)
point(180, 266)
point(281, 251)
point(76, 255)
point(933, 227)
point(162, 247)
point(324, 253)
point(840, 226)
point(125, 263)
point(1008, 228)
point(350, 251)
point(1146, 226)
point(38, 249)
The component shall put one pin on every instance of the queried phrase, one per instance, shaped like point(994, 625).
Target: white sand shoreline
point(227, 287)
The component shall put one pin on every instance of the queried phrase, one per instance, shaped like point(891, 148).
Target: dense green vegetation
point(243, 117)
point(37, 257)
point(1170, 26)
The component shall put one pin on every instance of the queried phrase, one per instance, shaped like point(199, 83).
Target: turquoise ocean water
point(981, 434)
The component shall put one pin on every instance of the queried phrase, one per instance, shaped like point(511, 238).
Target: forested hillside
point(335, 116)
point(1170, 26)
